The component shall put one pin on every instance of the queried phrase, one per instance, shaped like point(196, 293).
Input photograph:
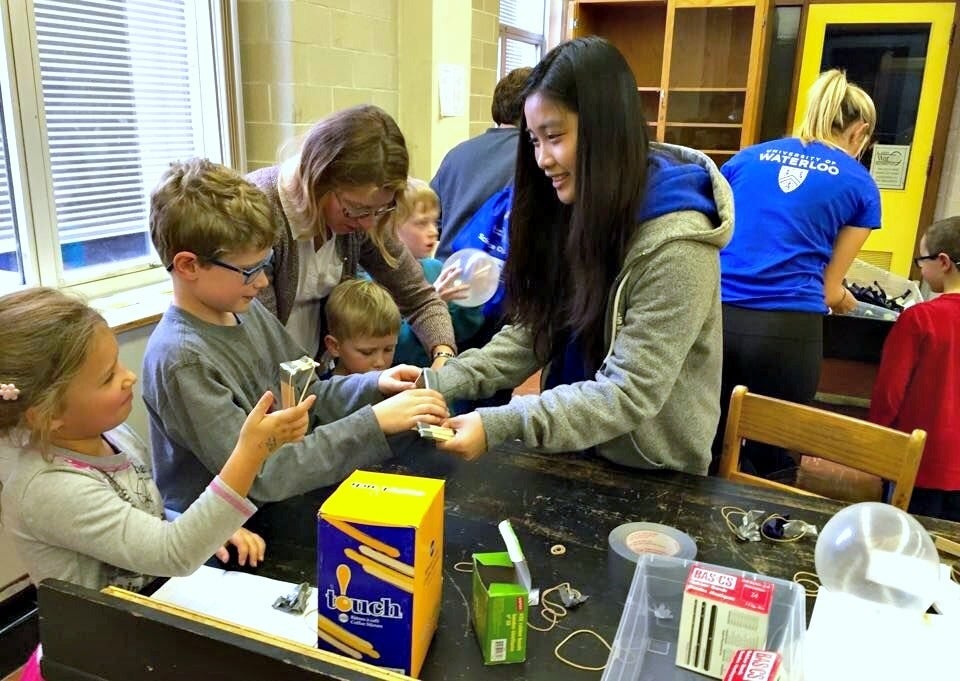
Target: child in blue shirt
point(416, 220)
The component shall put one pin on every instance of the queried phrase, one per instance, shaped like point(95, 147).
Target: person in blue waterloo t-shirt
point(803, 208)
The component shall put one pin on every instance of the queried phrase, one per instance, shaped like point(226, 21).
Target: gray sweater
point(655, 402)
point(419, 303)
point(201, 380)
point(98, 520)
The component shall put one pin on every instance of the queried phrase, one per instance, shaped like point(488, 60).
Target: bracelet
point(443, 353)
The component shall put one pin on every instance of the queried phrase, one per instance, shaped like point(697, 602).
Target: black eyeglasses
point(249, 275)
point(921, 258)
point(352, 213)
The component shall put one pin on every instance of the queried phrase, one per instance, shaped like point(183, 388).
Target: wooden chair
point(884, 452)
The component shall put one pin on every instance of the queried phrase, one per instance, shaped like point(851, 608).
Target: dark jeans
point(776, 354)
point(936, 503)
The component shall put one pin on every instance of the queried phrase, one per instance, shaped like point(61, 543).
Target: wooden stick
point(342, 647)
point(372, 567)
point(387, 560)
point(390, 577)
point(946, 545)
point(348, 637)
point(364, 538)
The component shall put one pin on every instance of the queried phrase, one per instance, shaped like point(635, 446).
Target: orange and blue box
point(380, 569)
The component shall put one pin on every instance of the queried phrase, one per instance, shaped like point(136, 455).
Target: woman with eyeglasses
point(804, 207)
point(335, 200)
point(613, 280)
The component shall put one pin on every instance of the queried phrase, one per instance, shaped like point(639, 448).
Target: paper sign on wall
point(453, 88)
point(889, 165)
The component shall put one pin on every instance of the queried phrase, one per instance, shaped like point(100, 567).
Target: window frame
point(32, 181)
point(508, 32)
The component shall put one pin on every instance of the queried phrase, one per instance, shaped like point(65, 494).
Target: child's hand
point(449, 287)
point(471, 439)
point(404, 410)
point(265, 433)
point(249, 546)
point(397, 379)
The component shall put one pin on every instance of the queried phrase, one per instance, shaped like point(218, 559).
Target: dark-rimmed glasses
point(920, 258)
point(249, 275)
point(352, 213)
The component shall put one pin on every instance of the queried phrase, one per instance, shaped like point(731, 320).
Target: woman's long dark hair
point(564, 259)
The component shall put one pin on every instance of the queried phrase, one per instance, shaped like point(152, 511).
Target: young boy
point(363, 321)
point(217, 349)
point(416, 220)
point(918, 384)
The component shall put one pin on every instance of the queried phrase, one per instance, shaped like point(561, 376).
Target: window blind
point(11, 266)
point(527, 15)
point(518, 53)
point(120, 99)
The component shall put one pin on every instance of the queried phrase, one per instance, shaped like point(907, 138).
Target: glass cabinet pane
point(711, 47)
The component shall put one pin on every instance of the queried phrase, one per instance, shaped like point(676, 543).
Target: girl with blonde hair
point(804, 207)
point(78, 496)
point(334, 200)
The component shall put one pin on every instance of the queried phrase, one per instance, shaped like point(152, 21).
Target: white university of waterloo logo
point(791, 178)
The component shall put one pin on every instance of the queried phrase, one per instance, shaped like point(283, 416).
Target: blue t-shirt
point(790, 202)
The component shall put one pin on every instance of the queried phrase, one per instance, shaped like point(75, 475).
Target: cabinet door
point(711, 74)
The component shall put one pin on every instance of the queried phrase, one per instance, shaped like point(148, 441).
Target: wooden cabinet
point(698, 63)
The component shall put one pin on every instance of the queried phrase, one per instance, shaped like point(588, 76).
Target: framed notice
point(889, 165)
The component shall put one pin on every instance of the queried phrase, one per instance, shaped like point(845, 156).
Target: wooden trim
point(668, 30)
point(707, 4)
point(153, 630)
point(756, 73)
point(928, 205)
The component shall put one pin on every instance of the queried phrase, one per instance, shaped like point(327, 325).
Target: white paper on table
point(453, 90)
point(243, 599)
point(850, 638)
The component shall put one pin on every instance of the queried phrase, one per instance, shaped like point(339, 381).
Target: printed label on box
point(720, 586)
point(499, 609)
point(753, 665)
point(721, 613)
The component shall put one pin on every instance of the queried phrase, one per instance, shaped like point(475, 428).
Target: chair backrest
point(874, 449)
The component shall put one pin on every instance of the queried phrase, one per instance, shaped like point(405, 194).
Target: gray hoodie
point(655, 401)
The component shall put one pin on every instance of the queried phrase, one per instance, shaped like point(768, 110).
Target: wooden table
point(574, 500)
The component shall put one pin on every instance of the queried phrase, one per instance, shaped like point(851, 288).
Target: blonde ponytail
point(833, 105)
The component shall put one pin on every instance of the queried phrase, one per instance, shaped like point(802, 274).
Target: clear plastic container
point(864, 274)
point(645, 646)
point(868, 311)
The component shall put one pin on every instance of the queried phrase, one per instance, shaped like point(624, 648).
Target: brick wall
point(302, 59)
point(484, 60)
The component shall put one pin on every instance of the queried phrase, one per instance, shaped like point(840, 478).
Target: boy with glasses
point(217, 350)
point(918, 384)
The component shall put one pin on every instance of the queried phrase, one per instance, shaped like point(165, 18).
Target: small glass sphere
point(884, 534)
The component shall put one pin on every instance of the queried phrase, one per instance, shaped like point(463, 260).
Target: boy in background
point(363, 321)
point(217, 349)
point(918, 383)
point(416, 221)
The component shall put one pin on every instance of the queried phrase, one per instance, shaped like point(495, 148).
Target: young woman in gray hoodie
point(612, 280)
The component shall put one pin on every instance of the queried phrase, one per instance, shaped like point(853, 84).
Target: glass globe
point(879, 553)
point(480, 271)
